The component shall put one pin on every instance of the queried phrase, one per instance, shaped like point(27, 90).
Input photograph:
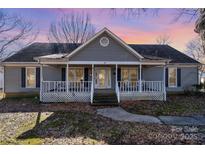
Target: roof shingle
point(41, 49)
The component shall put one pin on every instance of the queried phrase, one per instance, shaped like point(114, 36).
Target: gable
point(95, 52)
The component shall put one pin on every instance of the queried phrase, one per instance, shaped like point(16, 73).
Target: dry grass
point(181, 105)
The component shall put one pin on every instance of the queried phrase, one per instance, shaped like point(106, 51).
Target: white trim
point(90, 63)
point(174, 86)
point(164, 85)
point(41, 80)
point(26, 77)
point(116, 73)
point(67, 74)
point(21, 64)
point(183, 65)
point(115, 62)
point(92, 85)
point(105, 63)
point(112, 35)
point(140, 89)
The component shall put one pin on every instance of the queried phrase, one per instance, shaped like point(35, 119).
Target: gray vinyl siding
point(13, 78)
point(52, 73)
point(152, 73)
point(189, 77)
point(13, 81)
point(95, 52)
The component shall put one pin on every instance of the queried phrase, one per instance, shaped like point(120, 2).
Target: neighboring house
point(202, 77)
point(1, 79)
point(103, 69)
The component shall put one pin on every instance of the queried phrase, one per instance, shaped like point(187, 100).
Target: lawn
point(25, 121)
point(181, 105)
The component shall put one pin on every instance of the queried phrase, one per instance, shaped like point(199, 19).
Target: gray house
point(103, 69)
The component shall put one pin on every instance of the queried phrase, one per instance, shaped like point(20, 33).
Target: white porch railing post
point(41, 81)
point(67, 72)
point(3, 81)
point(116, 85)
point(92, 84)
point(164, 87)
point(140, 88)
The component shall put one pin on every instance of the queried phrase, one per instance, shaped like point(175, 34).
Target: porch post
point(93, 74)
point(140, 89)
point(67, 67)
point(164, 87)
point(3, 80)
point(92, 84)
point(41, 80)
point(116, 75)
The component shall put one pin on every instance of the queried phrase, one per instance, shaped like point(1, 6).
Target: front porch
point(139, 85)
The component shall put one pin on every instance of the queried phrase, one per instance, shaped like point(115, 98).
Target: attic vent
point(104, 41)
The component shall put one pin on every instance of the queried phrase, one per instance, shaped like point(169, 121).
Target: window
point(76, 74)
point(129, 74)
point(172, 77)
point(30, 77)
point(104, 41)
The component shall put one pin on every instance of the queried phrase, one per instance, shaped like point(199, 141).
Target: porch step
point(105, 98)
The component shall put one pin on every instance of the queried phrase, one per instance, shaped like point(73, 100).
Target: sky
point(143, 29)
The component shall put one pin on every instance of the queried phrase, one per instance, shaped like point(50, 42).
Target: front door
point(102, 77)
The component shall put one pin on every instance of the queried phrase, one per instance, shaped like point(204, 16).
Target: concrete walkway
point(117, 113)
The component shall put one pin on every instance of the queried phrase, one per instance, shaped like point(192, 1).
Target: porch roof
point(59, 58)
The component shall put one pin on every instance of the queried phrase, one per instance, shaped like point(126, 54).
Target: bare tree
point(133, 12)
point(163, 39)
point(186, 14)
point(200, 26)
point(15, 33)
point(194, 48)
point(71, 28)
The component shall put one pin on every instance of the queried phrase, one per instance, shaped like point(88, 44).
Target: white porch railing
point(65, 91)
point(82, 91)
point(147, 86)
point(153, 86)
point(92, 92)
point(117, 91)
point(128, 86)
point(149, 90)
point(64, 86)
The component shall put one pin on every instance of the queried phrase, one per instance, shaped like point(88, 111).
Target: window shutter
point(23, 77)
point(118, 74)
point(178, 77)
point(63, 75)
point(38, 77)
point(85, 74)
point(166, 77)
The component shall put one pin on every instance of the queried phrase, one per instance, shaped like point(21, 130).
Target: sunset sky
point(142, 29)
